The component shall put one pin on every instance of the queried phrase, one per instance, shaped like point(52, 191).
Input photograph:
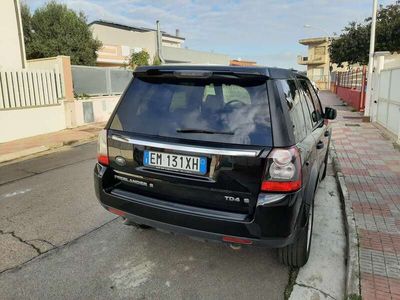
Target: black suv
point(233, 154)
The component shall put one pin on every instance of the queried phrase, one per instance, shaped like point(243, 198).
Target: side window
point(311, 114)
point(292, 97)
point(317, 103)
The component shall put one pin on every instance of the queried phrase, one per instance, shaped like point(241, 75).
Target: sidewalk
point(32, 145)
point(371, 167)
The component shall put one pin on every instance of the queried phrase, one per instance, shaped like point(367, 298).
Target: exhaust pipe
point(235, 246)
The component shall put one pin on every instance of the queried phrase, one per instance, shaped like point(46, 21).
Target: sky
point(266, 31)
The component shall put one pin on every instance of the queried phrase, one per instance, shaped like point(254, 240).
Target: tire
point(326, 164)
point(296, 255)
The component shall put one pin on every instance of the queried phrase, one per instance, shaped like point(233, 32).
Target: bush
point(139, 59)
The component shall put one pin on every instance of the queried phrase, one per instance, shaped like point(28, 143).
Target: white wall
point(114, 36)
point(12, 50)
point(26, 122)
point(391, 61)
point(21, 123)
point(102, 109)
point(385, 104)
point(48, 63)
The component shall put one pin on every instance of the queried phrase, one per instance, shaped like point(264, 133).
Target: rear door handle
point(320, 145)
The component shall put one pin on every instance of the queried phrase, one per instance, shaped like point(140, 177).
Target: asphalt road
point(57, 242)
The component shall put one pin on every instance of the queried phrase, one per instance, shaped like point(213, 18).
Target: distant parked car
point(232, 154)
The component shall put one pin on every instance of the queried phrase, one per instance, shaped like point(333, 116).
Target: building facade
point(120, 41)
point(242, 63)
point(317, 60)
point(12, 48)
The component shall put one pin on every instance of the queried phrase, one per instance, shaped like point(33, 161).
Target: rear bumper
point(275, 222)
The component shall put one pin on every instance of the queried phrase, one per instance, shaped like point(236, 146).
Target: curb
point(22, 153)
point(352, 287)
point(41, 150)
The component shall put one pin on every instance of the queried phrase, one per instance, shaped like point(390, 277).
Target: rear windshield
point(218, 109)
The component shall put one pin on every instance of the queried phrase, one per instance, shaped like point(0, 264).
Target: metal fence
point(350, 86)
point(22, 88)
point(98, 81)
point(352, 79)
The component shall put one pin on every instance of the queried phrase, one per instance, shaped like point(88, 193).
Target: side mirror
point(330, 113)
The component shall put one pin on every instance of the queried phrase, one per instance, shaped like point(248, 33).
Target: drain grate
point(352, 125)
point(351, 117)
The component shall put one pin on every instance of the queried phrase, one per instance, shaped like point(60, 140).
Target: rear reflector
point(117, 211)
point(236, 240)
point(103, 159)
point(280, 186)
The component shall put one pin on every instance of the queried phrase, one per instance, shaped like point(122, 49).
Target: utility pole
point(159, 43)
point(367, 110)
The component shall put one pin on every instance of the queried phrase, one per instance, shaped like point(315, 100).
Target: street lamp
point(319, 28)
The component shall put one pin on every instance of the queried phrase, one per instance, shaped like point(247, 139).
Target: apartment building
point(317, 60)
point(119, 41)
point(242, 63)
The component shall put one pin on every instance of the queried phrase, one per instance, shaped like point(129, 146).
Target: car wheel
point(326, 164)
point(296, 254)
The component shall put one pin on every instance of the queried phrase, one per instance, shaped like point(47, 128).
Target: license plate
point(183, 163)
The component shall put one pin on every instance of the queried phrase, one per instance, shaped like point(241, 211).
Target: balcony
point(310, 60)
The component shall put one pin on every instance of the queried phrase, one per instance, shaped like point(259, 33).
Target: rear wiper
point(192, 130)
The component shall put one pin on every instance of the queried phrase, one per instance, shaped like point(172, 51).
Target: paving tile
point(371, 166)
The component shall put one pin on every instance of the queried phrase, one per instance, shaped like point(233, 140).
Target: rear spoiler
point(198, 73)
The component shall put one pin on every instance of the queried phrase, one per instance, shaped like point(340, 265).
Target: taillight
point(283, 173)
point(102, 151)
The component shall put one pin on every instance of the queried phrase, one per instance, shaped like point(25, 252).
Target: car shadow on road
point(119, 261)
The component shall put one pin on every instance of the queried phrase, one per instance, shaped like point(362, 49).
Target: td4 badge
point(237, 199)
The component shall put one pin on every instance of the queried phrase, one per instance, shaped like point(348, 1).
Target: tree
point(156, 61)
point(54, 29)
point(26, 22)
point(352, 45)
point(140, 58)
point(388, 28)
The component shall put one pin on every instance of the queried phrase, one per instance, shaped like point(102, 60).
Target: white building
point(12, 48)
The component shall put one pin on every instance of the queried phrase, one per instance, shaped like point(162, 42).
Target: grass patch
point(354, 297)
point(292, 280)
point(69, 143)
